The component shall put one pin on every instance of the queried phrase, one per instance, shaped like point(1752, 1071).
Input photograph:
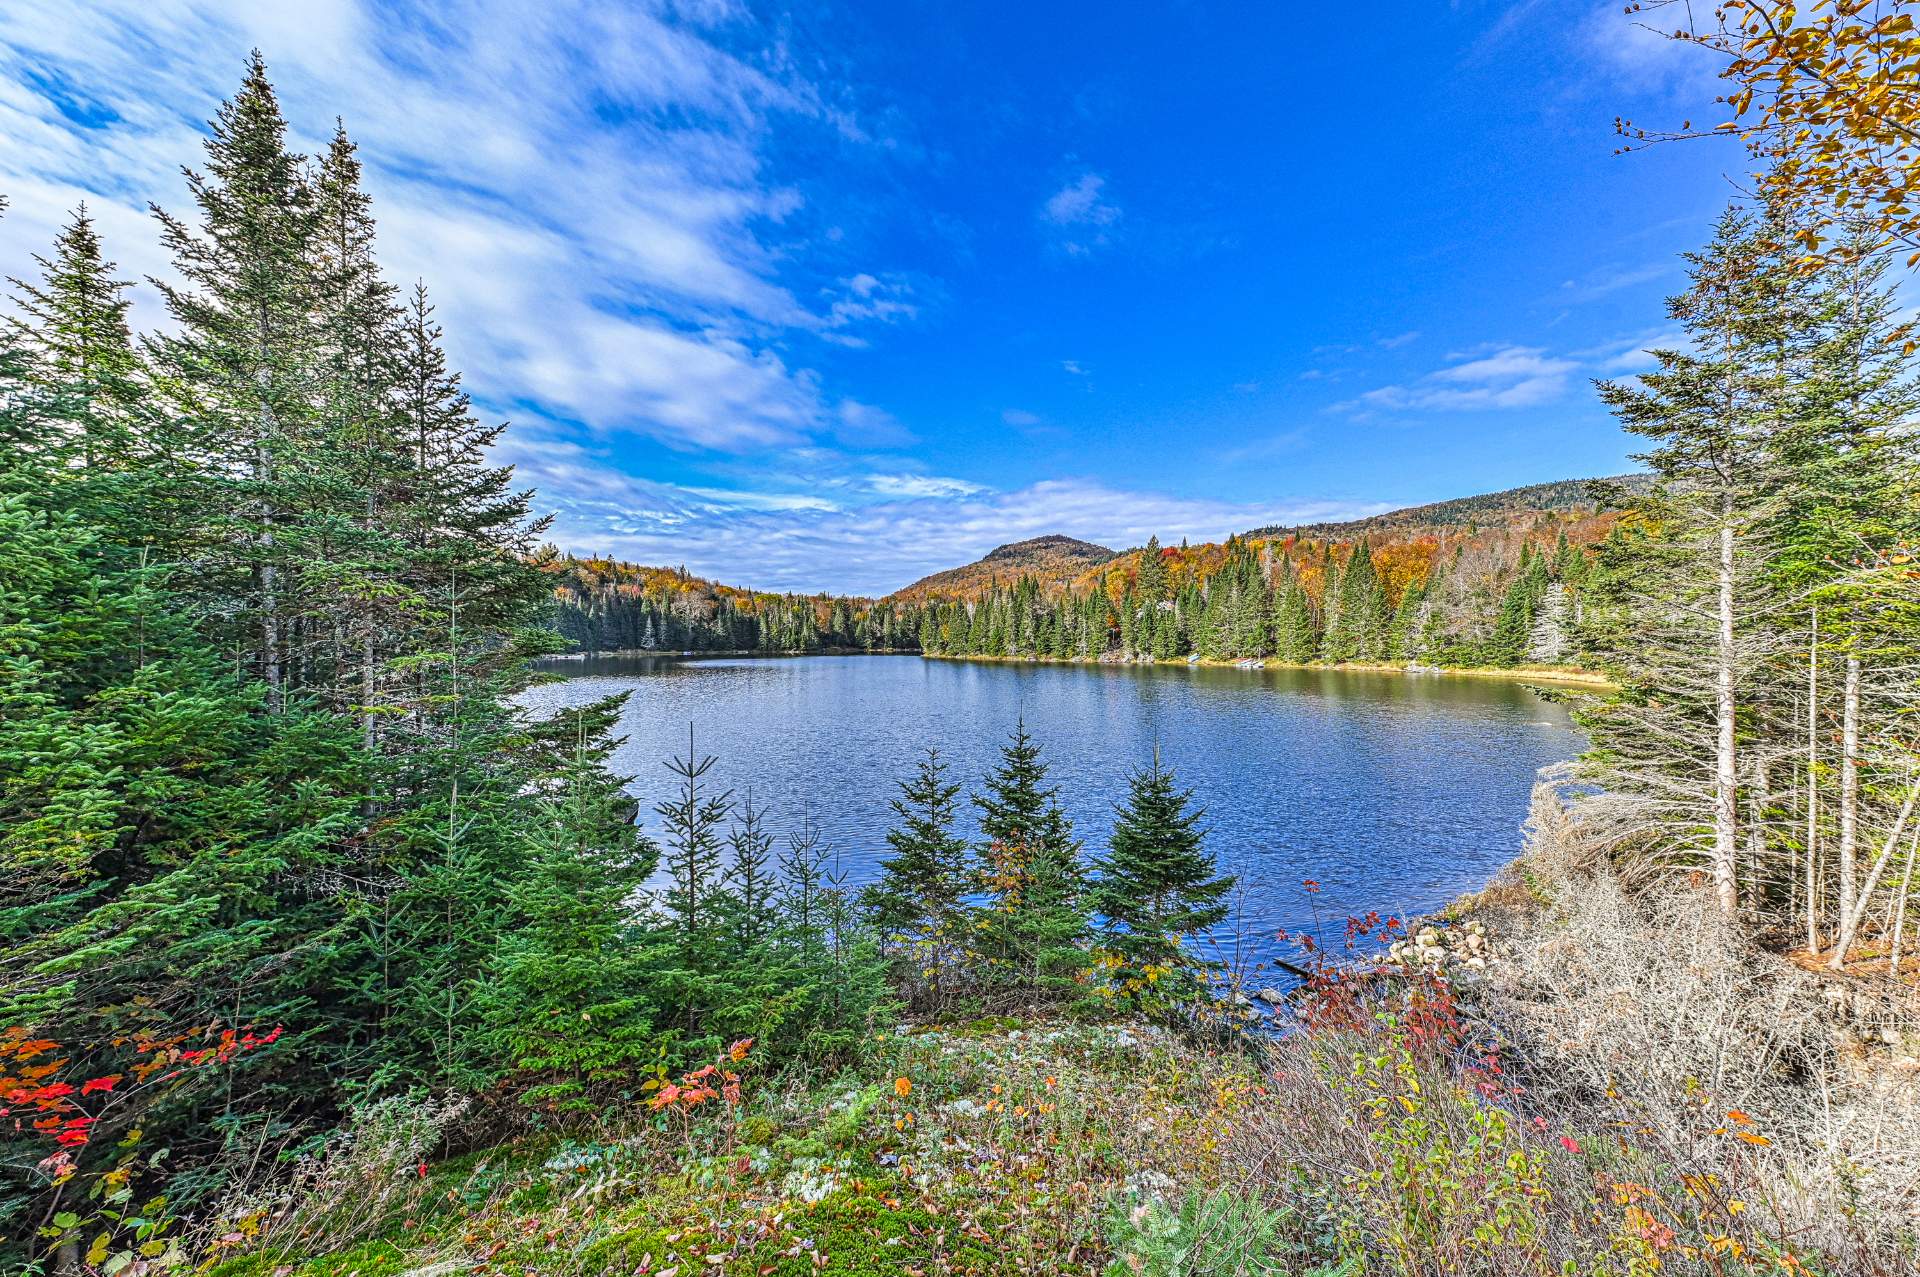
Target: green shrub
point(1220, 1234)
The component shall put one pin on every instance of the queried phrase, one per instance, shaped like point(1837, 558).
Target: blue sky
point(828, 297)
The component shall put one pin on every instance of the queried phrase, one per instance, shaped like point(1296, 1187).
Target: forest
point(602, 605)
point(322, 957)
point(1508, 594)
point(276, 840)
point(1484, 601)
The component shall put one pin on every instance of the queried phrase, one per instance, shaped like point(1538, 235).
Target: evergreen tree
point(76, 352)
point(750, 883)
point(241, 363)
point(923, 883)
point(1030, 863)
point(568, 995)
point(1156, 888)
point(1697, 589)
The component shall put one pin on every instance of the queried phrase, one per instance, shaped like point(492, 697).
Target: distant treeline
point(1498, 601)
point(1501, 598)
point(603, 605)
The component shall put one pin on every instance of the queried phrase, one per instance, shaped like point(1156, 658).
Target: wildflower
point(1569, 1143)
point(903, 1087)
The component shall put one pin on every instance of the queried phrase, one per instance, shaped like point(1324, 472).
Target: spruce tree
point(923, 883)
point(1030, 865)
point(241, 364)
point(1157, 887)
point(76, 351)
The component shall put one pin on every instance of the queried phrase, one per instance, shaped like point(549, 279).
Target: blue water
point(1394, 792)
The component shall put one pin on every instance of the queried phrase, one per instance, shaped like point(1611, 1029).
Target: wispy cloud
point(1020, 418)
point(1080, 216)
point(1610, 280)
point(920, 485)
point(1502, 377)
point(1637, 50)
point(903, 527)
point(624, 278)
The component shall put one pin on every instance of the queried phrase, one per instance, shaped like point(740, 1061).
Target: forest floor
point(1618, 1086)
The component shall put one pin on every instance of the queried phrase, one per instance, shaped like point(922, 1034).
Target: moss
point(758, 1130)
point(626, 1251)
point(865, 1235)
point(990, 1026)
point(368, 1259)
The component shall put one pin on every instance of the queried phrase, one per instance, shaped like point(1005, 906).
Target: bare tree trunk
point(1850, 922)
point(368, 730)
point(1849, 786)
point(1756, 842)
point(1813, 784)
point(1726, 846)
point(269, 586)
point(1900, 913)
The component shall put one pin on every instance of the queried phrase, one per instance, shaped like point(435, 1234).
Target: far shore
point(1567, 675)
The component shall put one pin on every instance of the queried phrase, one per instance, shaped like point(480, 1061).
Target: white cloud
point(1074, 367)
point(1504, 377)
point(1020, 418)
point(917, 524)
point(584, 187)
point(1637, 51)
point(920, 485)
point(1080, 215)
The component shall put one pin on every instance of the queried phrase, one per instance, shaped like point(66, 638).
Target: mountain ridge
point(1053, 556)
point(1063, 562)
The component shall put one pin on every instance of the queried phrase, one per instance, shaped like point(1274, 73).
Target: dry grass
point(1648, 1010)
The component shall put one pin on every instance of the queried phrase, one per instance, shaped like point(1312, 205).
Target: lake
point(1394, 792)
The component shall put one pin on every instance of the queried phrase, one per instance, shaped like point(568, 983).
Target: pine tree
point(1018, 805)
point(750, 882)
point(568, 997)
point(1695, 590)
point(1156, 888)
point(1030, 864)
point(76, 351)
point(241, 364)
point(692, 820)
point(923, 883)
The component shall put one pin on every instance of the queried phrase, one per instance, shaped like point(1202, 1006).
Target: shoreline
point(1564, 676)
point(1517, 674)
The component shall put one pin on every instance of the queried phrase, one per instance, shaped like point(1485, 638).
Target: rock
point(1272, 997)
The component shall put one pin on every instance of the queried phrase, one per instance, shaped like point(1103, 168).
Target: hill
point(1562, 497)
point(1054, 560)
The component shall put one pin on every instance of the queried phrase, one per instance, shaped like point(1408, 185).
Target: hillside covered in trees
point(1486, 581)
point(1482, 581)
point(603, 605)
point(1049, 559)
